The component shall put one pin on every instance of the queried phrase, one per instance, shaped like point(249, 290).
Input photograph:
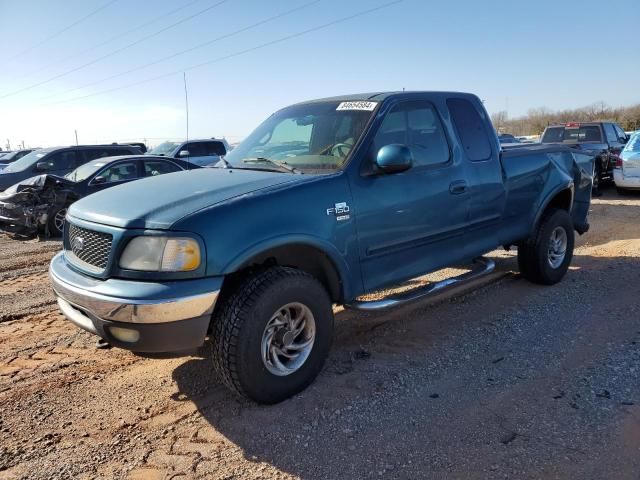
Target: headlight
point(161, 254)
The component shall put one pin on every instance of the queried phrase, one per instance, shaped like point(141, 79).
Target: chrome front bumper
point(168, 316)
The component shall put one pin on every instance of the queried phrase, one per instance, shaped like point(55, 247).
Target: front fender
point(346, 275)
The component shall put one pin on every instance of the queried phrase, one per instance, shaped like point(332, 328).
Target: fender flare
point(569, 185)
point(336, 258)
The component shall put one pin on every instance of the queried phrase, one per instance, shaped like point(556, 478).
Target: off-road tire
point(533, 252)
point(238, 324)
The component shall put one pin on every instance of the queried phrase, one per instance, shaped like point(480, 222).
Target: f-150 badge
point(340, 210)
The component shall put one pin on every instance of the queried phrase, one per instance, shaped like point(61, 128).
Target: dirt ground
point(507, 380)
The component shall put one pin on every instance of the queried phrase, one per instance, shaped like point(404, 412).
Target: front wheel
point(56, 222)
point(272, 334)
point(544, 257)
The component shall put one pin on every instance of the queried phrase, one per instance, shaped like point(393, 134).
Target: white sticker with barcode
point(368, 106)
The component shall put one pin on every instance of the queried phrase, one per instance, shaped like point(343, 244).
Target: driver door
point(408, 222)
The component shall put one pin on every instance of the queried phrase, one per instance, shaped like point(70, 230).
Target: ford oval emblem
point(78, 244)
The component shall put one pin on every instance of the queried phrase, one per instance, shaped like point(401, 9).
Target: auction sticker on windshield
point(368, 106)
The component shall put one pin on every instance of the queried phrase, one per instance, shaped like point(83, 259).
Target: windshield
point(26, 161)
point(85, 171)
point(633, 145)
point(165, 148)
point(583, 133)
point(311, 138)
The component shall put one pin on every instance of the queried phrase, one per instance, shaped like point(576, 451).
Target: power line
point(182, 52)
point(110, 54)
point(236, 54)
point(60, 32)
point(108, 41)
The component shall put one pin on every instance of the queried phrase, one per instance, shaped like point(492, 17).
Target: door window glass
point(62, 161)
point(158, 167)
point(196, 149)
point(215, 148)
point(610, 132)
point(416, 125)
point(120, 172)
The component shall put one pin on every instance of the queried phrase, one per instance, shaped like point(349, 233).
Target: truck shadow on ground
point(331, 430)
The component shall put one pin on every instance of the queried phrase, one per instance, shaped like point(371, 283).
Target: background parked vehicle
point(626, 173)
point(58, 161)
point(10, 157)
point(42, 201)
point(257, 252)
point(507, 138)
point(199, 152)
point(605, 139)
point(143, 148)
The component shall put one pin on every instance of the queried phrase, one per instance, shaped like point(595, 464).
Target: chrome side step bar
point(484, 267)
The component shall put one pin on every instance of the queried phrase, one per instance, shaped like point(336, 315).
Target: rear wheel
point(272, 334)
point(544, 258)
point(597, 173)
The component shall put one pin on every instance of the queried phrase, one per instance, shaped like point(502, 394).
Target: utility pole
point(186, 101)
point(76, 132)
point(8, 144)
point(22, 144)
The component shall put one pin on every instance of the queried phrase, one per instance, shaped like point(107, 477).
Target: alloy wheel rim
point(288, 339)
point(557, 247)
point(58, 219)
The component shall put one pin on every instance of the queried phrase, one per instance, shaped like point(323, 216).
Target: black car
point(605, 140)
point(58, 161)
point(42, 201)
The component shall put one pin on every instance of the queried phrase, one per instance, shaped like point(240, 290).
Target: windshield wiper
point(282, 165)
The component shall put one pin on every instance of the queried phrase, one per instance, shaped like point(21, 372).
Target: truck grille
point(90, 247)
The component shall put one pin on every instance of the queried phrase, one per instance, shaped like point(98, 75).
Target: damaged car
point(39, 204)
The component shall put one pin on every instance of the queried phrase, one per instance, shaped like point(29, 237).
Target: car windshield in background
point(308, 138)
point(583, 133)
point(164, 148)
point(26, 161)
point(85, 171)
point(633, 145)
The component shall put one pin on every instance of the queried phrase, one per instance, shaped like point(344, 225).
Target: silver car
point(626, 174)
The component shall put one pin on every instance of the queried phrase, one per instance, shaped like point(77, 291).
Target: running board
point(483, 267)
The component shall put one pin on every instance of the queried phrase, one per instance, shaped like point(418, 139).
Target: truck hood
point(159, 202)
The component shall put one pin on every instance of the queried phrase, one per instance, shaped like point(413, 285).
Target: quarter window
point(471, 129)
point(416, 125)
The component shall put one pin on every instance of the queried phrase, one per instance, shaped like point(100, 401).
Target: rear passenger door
point(484, 173)
point(407, 221)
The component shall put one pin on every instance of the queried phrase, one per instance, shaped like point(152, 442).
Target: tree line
point(536, 119)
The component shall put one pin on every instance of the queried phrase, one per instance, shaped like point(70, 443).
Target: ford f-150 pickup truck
point(324, 202)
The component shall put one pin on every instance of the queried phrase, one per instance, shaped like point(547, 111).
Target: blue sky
point(512, 54)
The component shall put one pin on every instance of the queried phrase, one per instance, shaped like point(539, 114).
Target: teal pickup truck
point(325, 201)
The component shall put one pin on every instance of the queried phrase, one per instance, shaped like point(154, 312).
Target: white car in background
point(626, 173)
point(202, 152)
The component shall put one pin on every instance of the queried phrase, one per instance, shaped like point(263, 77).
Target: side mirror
point(99, 179)
point(43, 166)
point(183, 153)
point(394, 158)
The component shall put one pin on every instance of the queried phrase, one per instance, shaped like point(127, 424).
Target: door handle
point(456, 188)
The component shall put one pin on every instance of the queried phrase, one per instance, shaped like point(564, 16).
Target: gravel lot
point(508, 380)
